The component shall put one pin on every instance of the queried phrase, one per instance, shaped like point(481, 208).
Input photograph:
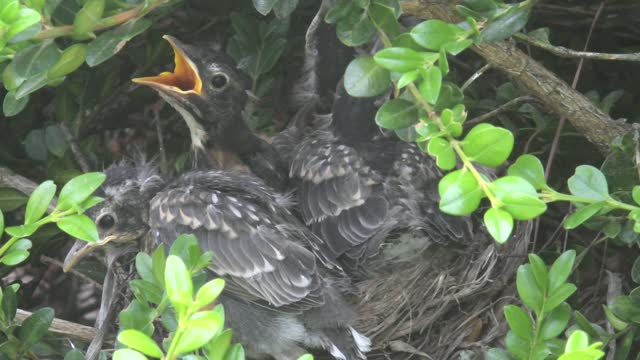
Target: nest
point(446, 305)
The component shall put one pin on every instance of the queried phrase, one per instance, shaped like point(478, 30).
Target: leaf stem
point(66, 30)
point(455, 144)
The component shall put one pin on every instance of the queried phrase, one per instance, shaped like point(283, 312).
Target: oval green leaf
point(78, 189)
point(178, 281)
point(488, 145)
point(499, 223)
point(397, 114)
point(589, 182)
point(365, 78)
point(139, 341)
point(79, 226)
point(459, 192)
point(39, 201)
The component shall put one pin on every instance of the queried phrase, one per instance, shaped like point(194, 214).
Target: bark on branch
point(10, 179)
point(534, 78)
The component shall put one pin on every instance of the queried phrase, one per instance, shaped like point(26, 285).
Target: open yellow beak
point(183, 80)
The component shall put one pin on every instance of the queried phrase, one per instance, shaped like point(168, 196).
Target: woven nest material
point(444, 306)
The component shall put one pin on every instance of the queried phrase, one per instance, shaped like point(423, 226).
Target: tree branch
point(10, 179)
point(65, 328)
point(530, 75)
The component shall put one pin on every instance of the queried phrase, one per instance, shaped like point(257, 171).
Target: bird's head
point(122, 218)
point(205, 87)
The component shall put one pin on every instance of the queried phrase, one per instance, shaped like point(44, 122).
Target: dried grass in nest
point(444, 304)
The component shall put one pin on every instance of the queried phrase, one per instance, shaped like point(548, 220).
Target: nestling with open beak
point(210, 94)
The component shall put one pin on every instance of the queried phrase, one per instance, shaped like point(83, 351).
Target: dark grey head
point(124, 214)
point(206, 88)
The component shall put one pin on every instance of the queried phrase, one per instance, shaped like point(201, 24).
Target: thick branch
point(64, 328)
point(10, 179)
point(530, 75)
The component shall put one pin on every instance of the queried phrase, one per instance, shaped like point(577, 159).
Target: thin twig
point(475, 76)
point(75, 148)
point(574, 84)
point(66, 30)
point(568, 53)
point(502, 108)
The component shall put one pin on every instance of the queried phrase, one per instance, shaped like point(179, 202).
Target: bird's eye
point(106, 222)
point(219, 81)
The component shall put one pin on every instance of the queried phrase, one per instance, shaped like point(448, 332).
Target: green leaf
point(21, 230)
point(635, 271)
point(433, 34)
point(540, 272)
point(554, 324)
point(111, 42)
point(507, 24)
point(140, 342)
point(559, 295)
point(578, 340)
point(217, 347)
point(385, 18)
point(264, 6)
point(36, 59)
point(39, 201)
point(158, 261)
point(128, 354)
point(397, 114)
point(79, 226)
point(284, 8)
point(488, 145)
point(11, 105)
point(441, 149)
point(519, 321)
point(561, 269)
point(200, 329)
point(306, 357)
point(21, 244)
point(529, 168)
point(459, 192)
point(11, 199)
point(13, 258)
point(635, 193)
point(589, 182)
point(79, 189)
point(70, 60)
point(517, 346)
point(146, 291)
point(499, 223)
point(144, 267)
point(26, 18)
point(407, 78)
point(399, 59)
point(518, 197)
point(9, 303)
point(364, 78)
point(236, 352)
point(430, 84)
point(623, 310)
point(528, 288)
point(178, 281)
point(87, 18)
point(355, 29)
point(31, 85)
point(582, 214)
point(55, 140)
point(209, 292)
point(35, 326)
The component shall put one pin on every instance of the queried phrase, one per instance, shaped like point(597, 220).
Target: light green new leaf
point(365, 78)
point(459, 192)
point(39, 201)
point(79, 226)
point(499, 223)
point(589, 182)
point(139, 341)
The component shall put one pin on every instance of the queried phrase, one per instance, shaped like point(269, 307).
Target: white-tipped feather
point(363, 342)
